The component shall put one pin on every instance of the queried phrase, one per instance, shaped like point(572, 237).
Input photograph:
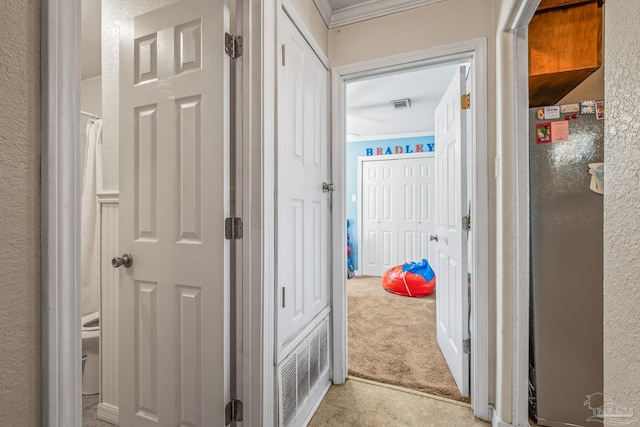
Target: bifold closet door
point(398, 203)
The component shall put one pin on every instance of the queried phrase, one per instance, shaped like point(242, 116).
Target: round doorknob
point(126, 260)
point(433, 237)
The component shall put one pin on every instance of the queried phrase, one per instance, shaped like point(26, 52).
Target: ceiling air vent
point(400, 104)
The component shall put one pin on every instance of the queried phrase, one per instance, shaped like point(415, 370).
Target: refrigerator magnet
point(552, 112)
point(540, 114)
point(559, 131)
point(543, 133)
point(599, 110)
point(587, 107)
point(570, 108)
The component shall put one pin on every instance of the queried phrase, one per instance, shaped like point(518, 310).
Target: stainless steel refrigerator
point(566, 273)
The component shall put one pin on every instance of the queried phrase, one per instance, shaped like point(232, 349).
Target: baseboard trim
point(108, 413)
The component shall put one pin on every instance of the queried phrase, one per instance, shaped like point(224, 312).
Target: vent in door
point(314, 362)
point(288, 384)
point(301, 371)
point(324, 345)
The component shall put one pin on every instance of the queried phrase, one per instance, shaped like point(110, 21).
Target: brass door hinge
point(465, 101)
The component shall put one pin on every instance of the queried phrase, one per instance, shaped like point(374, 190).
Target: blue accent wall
point(374, 148)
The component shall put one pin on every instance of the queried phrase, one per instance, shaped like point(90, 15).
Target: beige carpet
point(392, 339)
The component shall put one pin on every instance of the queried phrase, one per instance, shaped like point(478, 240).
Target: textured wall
point(621, 205)
point(20, 213)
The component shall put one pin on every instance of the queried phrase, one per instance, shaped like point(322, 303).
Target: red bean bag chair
point(415, 279)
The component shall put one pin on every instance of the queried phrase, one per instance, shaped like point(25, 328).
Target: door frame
point(363, 159)
point(61, 385)
point(512, 214)
point(474, 51)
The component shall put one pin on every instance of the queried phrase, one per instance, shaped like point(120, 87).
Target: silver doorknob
point(433, 237)
point(126, 260)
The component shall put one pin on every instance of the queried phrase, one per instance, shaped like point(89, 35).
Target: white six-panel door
point(303, 209)
point(451, 266)
point(174, 186)
point(398, 202)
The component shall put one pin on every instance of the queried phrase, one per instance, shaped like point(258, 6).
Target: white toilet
point(90, 353)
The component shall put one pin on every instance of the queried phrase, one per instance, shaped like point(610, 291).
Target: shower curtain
point(90, 219)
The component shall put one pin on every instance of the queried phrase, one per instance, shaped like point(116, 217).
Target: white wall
point(422, 28)
point(621, 205)
point(20, 359)
point(114, 14)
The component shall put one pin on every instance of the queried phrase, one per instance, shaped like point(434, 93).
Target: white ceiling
point(91, 38)
point(371, 114)
point(342, 12)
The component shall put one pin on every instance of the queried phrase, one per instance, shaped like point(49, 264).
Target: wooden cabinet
point(565, 47)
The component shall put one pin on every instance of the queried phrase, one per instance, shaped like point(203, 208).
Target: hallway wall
point(621, 204)
point(20, 213)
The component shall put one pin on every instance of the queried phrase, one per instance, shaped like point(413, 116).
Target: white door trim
point(263, 131)
point(361, 160)
point(255, 74)
point(476, 52)
point(60, 199)
point(512, 214)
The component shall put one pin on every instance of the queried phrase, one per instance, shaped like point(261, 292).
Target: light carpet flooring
point(392, 339)
point(363, 403)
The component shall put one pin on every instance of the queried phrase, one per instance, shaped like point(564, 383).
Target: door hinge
point(466, 222)
point(466, 346)
point(283, 50)
point(465, 101)
point(233, 411)
point(233, 45)
point(284, 296)
point(327, 187)
point(233, 228)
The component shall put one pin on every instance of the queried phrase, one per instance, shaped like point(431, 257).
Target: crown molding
point(364, 11)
